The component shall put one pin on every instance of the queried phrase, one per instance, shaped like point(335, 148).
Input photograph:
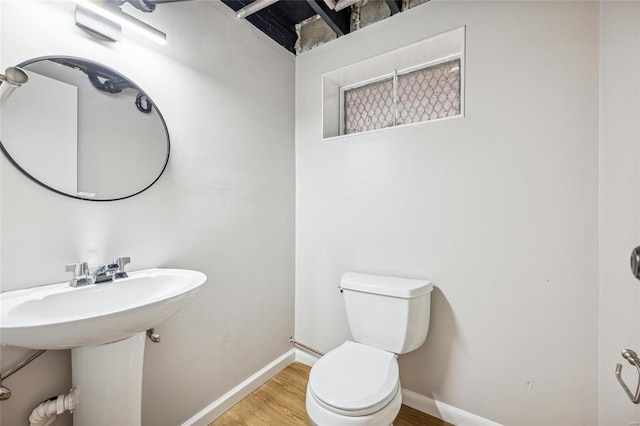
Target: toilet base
point(320, 416)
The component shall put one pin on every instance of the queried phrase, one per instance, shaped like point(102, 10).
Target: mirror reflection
point(83, 130)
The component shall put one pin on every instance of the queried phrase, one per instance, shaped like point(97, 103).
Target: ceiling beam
point(254, 7)
point(340, 22)
point(395, 6)
point(274, 24)
point(271, 25)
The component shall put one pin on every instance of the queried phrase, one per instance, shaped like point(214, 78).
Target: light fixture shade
point(96, 24)
point(115, 15)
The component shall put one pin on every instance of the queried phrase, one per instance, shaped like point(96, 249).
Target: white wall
point(619, 204)
point(499, 209)
point(49, 106)
point(225, 205)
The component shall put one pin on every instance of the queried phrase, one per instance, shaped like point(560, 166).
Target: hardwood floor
point(280, 402)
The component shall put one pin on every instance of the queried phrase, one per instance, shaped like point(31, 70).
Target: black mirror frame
point(77, 197)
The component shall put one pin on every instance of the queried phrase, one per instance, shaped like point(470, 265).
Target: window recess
point(423, 82)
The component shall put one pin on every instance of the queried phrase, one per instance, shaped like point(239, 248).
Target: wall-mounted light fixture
point(12, 78)
point(106, 19)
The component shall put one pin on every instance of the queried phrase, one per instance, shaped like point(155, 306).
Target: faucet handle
point(73, 267)
point(80, 274)
point(121, 262)
point(80, 268)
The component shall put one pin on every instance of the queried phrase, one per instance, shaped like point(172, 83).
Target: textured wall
point(225, 205)
point(499, 209)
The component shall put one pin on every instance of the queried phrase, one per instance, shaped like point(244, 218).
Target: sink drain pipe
point(46, 412)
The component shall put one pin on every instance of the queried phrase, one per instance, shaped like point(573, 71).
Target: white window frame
point(343, 89)
point(432, 51)
point(394, 75)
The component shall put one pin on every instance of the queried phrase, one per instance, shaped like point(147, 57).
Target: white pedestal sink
point(104, 325)
point(108, 379)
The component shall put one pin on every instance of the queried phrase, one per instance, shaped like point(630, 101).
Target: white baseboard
point(306, 358)
point(420, 402)
point(235, 395)
point(443, 411)
point(412, 399)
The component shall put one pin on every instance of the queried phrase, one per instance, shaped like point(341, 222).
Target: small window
point(369, 107)
point(429, 93)
point(418, 83)
point(406, 97)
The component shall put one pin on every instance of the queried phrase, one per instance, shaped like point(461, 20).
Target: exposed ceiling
point(279, 20)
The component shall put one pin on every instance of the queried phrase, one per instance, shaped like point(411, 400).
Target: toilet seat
point(355, 379)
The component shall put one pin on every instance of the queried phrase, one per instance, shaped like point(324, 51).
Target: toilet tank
point(388, 313)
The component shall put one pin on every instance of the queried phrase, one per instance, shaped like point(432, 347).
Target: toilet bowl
point(352, 385)
point(358, 382)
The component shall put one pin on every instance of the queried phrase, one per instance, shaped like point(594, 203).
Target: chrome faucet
point(81, 276)
point(108, 272)
point(104, 273)
point(121, 262)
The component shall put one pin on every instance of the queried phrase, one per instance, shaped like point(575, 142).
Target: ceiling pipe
point(254, 7)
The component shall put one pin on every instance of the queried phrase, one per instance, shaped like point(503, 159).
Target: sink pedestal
point(108, 379)
point(107, 376)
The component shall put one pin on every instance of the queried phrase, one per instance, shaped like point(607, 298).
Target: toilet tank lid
point(405, 288)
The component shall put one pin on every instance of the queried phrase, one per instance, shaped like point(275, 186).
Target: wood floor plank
point(411, 417)
point(281, 402)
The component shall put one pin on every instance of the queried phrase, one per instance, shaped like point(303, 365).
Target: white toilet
point(358, 382)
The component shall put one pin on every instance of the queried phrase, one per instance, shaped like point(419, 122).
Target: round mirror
point(83, 130)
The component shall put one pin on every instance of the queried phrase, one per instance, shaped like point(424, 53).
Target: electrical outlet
point(633, 424)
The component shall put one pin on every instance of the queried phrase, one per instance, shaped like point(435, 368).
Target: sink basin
point(58, 316)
